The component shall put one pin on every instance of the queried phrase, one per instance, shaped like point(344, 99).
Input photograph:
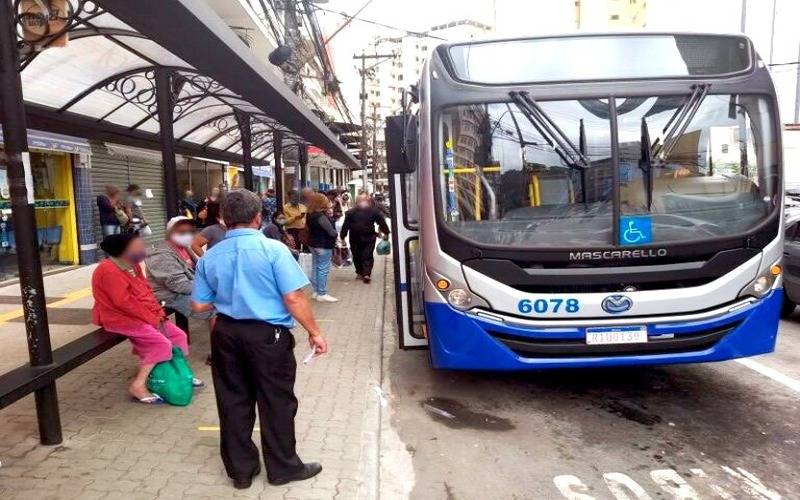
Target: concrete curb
point(370, 463)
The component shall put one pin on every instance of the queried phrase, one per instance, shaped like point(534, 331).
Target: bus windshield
point(541, 174)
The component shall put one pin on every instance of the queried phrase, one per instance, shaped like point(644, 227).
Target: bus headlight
point(459, 298)
point(764, 283)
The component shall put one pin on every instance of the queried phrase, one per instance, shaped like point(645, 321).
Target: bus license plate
point(616, 335)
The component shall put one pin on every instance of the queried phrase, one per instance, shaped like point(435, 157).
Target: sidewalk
point(114, 448)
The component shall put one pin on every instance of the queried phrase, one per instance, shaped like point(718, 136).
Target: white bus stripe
point(772, 373)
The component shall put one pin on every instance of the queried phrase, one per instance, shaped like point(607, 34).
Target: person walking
point(295, 213)
point(322, 240)
point(125, 304)
point(255, 285)
point(359, 223)
point(108, 205)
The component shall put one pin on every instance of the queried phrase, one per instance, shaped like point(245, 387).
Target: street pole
point(744, 16)
point(772, 31)
point(797, 92)
point(291, 35)
point(363, 97)
point(20, 181)
point(374, 146)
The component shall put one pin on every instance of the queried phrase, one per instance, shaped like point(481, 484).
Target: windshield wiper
point(646, 164)
point(547, 128)
point(678, 123)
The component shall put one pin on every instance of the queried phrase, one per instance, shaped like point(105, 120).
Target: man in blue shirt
point(255, 285)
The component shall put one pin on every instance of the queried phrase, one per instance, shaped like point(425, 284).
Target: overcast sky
point(520, 18)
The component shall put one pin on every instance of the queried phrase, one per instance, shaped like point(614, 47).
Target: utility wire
point(418, 34)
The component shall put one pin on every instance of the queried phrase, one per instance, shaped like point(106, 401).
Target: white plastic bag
point(305, 263)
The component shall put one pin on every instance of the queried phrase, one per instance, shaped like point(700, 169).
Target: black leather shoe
point(243, 484)
point(308, 471)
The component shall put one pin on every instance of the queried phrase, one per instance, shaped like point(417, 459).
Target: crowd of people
point(233, 260)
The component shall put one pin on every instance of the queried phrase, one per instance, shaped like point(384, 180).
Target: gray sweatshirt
point(167, 273)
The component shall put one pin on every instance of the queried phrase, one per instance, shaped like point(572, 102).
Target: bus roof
point(598, 57)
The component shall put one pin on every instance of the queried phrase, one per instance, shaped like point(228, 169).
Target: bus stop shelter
point(168, 75)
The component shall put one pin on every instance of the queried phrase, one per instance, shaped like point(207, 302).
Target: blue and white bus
point(588, 200)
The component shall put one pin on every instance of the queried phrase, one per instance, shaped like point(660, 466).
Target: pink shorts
point(150, 344)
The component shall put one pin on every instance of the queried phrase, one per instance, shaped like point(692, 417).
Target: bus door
point(406, 252)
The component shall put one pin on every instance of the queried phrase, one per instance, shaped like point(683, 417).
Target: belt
point(276, 330)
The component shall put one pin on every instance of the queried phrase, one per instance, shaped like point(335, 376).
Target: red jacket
point(122, 299)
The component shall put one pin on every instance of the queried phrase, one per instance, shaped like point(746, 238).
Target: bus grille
point(528, 347)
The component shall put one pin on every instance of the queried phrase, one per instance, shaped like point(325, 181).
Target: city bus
point(588, 200)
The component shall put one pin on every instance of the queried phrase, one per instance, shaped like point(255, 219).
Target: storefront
point(51, 158)
point(120, 166)
point(200, 176)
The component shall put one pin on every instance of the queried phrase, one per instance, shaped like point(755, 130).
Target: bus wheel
point(787, 308)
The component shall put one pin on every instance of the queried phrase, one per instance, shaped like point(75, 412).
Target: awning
point(101, 84)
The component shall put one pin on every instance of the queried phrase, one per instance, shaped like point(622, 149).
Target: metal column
point(243, 119)
point(277, 152)
point(29, 263)
point(165, 102)
point(302, 157)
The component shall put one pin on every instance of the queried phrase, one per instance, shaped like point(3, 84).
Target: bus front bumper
point(463, 341)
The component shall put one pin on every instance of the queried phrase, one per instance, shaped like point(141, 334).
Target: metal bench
point(18, 383)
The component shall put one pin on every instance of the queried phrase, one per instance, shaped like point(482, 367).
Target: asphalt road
point(727, 430)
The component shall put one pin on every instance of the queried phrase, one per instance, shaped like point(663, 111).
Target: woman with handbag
point(322, 240)
point(125, 304)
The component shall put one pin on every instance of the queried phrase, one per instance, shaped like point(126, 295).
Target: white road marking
point(572, 488)
point(623, 487)
point(752, 485)
point(620, 485)
point(772, 373)
point(672, 482)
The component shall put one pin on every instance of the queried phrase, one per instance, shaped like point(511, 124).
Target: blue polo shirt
point(246, 276)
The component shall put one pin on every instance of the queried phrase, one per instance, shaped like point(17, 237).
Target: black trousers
point(363, 255)
point(253, 365)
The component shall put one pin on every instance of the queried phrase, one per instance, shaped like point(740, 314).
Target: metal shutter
point(124, 169)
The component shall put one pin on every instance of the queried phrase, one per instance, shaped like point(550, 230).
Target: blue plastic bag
point(384, 247)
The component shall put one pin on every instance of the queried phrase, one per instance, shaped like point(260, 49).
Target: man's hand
point(318, 343)
point(299, 307)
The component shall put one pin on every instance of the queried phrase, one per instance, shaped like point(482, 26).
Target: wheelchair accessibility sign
point(635, 230)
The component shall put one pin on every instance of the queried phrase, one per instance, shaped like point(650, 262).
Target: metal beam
point(165, 102)
point(48, 120)
point(243, 119)
point(302, 157)
point(184, 25)
point(15, 138)
point(277, 152)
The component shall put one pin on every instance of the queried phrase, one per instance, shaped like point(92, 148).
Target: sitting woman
point(125, 304)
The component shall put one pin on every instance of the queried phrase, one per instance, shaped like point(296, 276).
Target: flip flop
point(155, 399)
point(197, 383)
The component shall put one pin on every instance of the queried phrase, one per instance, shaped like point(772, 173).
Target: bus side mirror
point(401, 144)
